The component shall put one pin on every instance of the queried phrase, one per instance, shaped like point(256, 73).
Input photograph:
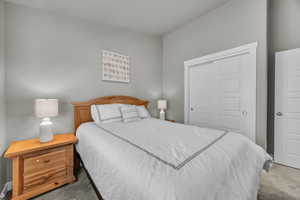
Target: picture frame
point(115, 67)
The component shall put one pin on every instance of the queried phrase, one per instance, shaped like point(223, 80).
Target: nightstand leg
point(18, 169)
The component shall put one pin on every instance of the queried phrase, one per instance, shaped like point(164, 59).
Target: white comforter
point(157, 160)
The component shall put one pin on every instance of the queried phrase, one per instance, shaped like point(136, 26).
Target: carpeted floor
point(281, 183)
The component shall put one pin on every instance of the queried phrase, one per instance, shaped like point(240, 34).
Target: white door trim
point(245, 49)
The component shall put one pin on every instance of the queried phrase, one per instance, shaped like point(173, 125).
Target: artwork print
point(115, 67)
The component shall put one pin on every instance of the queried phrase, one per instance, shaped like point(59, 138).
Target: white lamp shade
point(46, 107)
point(162, 104)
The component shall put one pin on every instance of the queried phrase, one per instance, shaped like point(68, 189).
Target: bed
point(151, 159)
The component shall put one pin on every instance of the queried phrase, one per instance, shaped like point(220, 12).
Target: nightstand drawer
point(44, 177)
point(36, 163)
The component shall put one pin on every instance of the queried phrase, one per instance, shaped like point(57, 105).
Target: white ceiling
point(149, 16)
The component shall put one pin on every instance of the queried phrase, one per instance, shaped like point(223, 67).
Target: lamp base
point(162, 115)
point(46, 134)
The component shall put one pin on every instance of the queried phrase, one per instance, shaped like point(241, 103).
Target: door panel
point(229, 71)
point(220, 96)
point(287, 108)
point(203, 93)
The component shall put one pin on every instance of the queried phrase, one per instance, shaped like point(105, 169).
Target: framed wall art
point(115, 67)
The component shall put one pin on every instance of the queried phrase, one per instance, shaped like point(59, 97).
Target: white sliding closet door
point(221, 93)
point(204, 98)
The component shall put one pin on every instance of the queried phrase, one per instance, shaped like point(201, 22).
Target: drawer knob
point(37, 160)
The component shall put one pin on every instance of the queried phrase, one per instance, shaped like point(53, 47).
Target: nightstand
point(40, 167)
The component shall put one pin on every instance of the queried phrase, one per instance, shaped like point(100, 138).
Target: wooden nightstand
point(40, 167)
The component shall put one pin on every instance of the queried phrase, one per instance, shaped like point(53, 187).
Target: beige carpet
point(281, 183)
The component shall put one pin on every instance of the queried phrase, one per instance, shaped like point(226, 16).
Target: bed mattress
point(152, 159)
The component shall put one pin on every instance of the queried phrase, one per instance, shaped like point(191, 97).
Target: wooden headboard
point(82, 110)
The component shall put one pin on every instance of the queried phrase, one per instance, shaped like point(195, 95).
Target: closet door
point(222, 95)
point(234, 80)
point(204, 100)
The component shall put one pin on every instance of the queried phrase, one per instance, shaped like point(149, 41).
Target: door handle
point(192, 109)
point(279, 114)
point(244, 113)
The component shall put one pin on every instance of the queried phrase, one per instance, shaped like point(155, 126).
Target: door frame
point(241, 50)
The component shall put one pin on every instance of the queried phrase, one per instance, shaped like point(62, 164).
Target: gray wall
point(236, 23)
point(2, 96)
point(54, 56)
point(284, 34)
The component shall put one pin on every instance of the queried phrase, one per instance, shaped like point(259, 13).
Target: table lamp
point(162, 105)
point(44, 109)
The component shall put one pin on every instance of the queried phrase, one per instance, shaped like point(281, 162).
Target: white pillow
point(112, 120)
point(106, 113)
point(95, 114)
point(129, 113)
point(143, 112)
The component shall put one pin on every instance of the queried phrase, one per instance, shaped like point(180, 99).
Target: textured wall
point(54, 56)
point(236, 23)
point(284, 34)
point(2, 96)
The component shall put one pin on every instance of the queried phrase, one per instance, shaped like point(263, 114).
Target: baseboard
point(7, 187)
